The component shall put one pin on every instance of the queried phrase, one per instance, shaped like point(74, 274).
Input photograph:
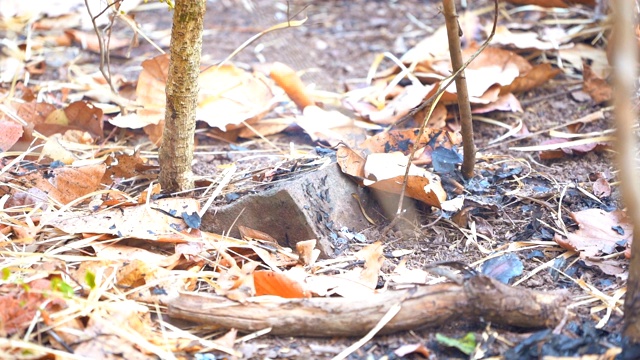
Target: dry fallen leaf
point(290, 82)
point(599, 233)
point(160, 220)
point(278, 284)
point(598, 88)
point(10, 133)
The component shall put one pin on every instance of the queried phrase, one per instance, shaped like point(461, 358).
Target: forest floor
point(525, 200)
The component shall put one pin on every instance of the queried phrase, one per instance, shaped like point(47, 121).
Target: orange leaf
point(272, 283)
point(290, 82)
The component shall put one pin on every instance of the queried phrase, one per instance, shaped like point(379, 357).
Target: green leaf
point(6, 273)
point(90, 279)
point(58, 285)
point(465, 344)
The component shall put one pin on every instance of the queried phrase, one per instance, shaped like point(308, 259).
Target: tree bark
point(479, 299)
point(176, 151)
point(625, 62)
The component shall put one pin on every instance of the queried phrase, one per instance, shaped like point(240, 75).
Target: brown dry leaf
point(330, 126)
point(116, 252)
point(150, 93)
point(156, 283)
point(506, 102)
point(227, 340)
point(601, 187)
point(579, 53)
point(230, 95)
point(54, 150)
point(125, 166)
point(521, 39)
point(493, 66)
point(10, 133)
point(411, 96)
point(278, 284)
point(599, 233)
point(351, 163)
point(373, 260)
point(404, 140)
point(85, 116)
point(236, 283)
point(431, 48)
point(19, 304)
point(252, 234)
point(386, 172)
point(598, 88)
point(266, 127)
point(154, 131)
point(308, 252)
point(161, 220)
point(63, 184)
point(558, 151)
point(34, 112)
point(438, 118)
point(115, 331)
point(527, 80)
point(554, 3)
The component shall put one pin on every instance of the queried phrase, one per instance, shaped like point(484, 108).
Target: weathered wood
point(479, 299)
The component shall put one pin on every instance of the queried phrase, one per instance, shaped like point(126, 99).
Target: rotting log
point(479, 298)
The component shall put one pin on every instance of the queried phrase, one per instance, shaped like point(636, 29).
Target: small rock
point(315, 205)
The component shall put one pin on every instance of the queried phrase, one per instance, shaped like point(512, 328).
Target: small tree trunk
point(626, 76)
point(451, 22)
point(176, 151)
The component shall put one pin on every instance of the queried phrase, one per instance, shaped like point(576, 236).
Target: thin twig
point(436, 97)
point(462, 91)
point(104, 67)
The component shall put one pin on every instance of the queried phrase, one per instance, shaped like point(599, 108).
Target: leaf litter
point(89, 242)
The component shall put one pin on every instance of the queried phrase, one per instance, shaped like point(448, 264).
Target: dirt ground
point(337, 45)
point(335, 48)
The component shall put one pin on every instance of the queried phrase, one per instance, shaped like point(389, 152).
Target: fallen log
point(478, 298)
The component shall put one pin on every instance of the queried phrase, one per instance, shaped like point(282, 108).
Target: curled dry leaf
point(385, 171)
point(351, 163)
point(287, 78)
